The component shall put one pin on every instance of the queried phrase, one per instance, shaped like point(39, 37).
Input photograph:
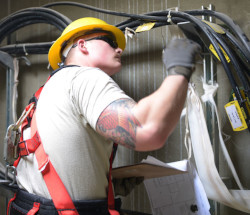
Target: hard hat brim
point(54, 54)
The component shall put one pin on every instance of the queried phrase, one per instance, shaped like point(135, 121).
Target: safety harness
point(56, 188)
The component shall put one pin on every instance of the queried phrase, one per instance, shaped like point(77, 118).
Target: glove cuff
point(180, 70)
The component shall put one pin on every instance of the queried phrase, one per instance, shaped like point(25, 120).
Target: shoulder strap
point(59, 194)
point(57, 190)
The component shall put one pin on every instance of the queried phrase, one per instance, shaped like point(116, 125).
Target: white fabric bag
point(204, 157)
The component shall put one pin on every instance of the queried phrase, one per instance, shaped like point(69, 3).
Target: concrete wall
point(142, 73)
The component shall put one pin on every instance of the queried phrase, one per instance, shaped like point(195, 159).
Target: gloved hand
point(123, 186)
point(179, 57)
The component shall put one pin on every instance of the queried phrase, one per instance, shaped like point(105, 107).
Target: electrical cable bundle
point(232, 47)
point(27, 17)
point(236, 44)
point(231, 44)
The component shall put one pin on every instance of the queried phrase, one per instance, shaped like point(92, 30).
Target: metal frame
point(210, 77)
point(7, 61)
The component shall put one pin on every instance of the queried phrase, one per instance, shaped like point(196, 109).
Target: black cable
point(131, 23)
point(34, 14)
point(224, 18)
point(161, 16)
point(27, 48)
point(152, 16)
point(222, 39)
point(33, 10)
point(228, 21)
point(241, 49)
point(30, 16)
point(134, 16)
point(244, 80)
point(22, 22)
point(140, 16)
point(202, 28)
point(189, 18)
point(136, 20)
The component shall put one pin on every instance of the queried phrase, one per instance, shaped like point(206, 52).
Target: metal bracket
point(6, 180)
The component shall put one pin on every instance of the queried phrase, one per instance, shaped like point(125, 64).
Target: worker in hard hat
point(82, 112)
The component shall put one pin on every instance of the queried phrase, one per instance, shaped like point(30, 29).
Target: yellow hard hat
point(78, 28)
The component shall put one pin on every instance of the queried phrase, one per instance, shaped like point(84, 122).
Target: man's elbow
point(151, 140)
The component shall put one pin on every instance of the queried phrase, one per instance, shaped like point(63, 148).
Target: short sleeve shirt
point(67, 112)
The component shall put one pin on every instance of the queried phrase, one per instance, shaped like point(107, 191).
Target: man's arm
point(146, 125)
point(117, 122)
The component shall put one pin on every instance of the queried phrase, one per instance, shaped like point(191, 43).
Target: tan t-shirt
point(68, 109)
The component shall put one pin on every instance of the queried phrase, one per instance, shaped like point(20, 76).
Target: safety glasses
point(106, 39)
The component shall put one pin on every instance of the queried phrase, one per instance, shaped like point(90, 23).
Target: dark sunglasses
point(106, 39)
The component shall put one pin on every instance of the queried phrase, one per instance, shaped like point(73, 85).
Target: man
point(80, 113)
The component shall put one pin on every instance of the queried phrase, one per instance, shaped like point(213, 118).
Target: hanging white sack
point(204, 157)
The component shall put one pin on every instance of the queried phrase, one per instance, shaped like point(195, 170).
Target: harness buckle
point(11, 144)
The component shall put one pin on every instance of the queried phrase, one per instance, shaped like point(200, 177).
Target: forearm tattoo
point(118, 123)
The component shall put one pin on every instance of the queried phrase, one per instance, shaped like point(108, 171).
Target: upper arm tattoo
point(118, 123)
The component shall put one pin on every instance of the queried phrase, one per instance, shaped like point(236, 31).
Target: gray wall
point(142, 73)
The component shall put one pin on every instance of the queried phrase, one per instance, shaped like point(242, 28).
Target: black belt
point(24, 203)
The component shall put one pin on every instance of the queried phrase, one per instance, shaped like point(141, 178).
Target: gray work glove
point(179, 57)
point(123, 186)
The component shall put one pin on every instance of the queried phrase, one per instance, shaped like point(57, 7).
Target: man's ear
point(81, 43)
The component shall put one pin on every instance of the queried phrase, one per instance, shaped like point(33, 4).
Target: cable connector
point(169, 14)
point(129, 32)
point(24, 50)
point(169, 17)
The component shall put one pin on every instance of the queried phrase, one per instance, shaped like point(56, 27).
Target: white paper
point(176, 194)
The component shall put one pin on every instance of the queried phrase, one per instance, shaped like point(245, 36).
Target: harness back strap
point(57, 190)
point(60, 196)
